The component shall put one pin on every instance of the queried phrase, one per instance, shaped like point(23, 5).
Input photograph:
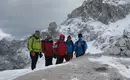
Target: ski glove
point(33, 53)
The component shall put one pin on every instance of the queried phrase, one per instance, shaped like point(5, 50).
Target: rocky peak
point(51, 31)
point(101, 11)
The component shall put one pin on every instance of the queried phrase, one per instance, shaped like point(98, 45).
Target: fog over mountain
point(22, 17)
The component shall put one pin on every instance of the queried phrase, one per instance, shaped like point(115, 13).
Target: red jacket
point(47, 48)
point(61, 48)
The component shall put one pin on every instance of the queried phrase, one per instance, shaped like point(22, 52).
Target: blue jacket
point(79, 47)
point(70, 47)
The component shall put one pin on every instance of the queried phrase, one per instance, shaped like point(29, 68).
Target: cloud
point(22, 17)
point(4, 35)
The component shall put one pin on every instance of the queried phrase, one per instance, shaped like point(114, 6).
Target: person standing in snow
point(80, 46)
point(70, 48)
point(60, 49)
point(34, 46)
point(47, 49)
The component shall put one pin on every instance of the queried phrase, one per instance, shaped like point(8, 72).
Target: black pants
point(78, 55)
point(34, 60)
point(68, 57)
point(48, 60)
point(60, 59)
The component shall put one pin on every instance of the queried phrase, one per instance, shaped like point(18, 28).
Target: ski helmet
point(37, 31)
point(80, 35)
point(69, 37)
point(62, 36)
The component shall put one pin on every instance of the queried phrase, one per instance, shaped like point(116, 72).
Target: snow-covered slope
point(113, 32)
point(12, 74)
point(90, 29)
point(116, 2)
point(90, 18)
point(121, 64)
point(102, 22)
point(78, 69)
point(13, 54)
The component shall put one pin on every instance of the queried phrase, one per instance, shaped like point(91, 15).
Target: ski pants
point(60, 59)
point(68, 57)
point(34, 60)
point(48, 60)
point(78, 55)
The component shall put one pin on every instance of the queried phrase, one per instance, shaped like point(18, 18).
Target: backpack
point(82, 45)
point(28, 41)
point(71, 43)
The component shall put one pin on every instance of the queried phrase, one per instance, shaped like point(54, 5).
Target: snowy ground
point(92, 49)
point(77, 69)
point(11, 74)
point(121, 64)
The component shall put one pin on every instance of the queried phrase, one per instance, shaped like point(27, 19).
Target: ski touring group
point(59, 50)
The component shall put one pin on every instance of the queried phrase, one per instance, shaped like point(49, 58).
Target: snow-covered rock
point(116, 2)
point(100, 21)
point(98, 10)
point(89, 18)
point(13, 54)
point(121, 46)
point(51, 31)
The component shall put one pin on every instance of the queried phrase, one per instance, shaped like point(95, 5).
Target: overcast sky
point(22, 17)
